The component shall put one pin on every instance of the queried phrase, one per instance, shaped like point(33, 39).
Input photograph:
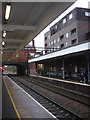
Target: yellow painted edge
point(18, 115)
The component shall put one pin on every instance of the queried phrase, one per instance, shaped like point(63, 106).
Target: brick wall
point(32, 68)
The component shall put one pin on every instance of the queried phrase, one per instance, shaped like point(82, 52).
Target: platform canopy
point(64, 52)
point(27, 19)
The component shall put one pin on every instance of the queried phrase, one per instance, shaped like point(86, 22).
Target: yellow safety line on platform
point(18, 115)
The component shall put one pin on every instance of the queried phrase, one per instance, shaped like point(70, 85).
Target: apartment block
point(71, 30)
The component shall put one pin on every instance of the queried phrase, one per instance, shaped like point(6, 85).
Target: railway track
point(55, 87)
point(57, 110)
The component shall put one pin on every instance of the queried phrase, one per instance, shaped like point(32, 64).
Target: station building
point(67, 47)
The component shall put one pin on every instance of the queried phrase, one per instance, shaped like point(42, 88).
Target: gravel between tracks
point(76, 107)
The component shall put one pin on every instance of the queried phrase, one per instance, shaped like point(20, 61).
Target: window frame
point(66, 35)
point(58, 39)
point(87, 14)
point(54, 41)
point(64, 20)
point(73, 31)
point(62, 37)
point(70, 16)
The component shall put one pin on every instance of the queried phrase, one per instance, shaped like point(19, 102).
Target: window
point(66, 35)
point(70, 16)
point(66, 44)
point(73, 31)
point(49, 44)
point(46, 45)
point(74, 41)
point(87, 36)
point(64, 21)
point(48, 36)
point(57, 47)
point(54, 29)
point(58, 39)
point(54, 48)
point(45, 38)
point(62, 36)
point(55, 26)
point(87, 13)
point(45, 51)
point(55, 41)
point(62, 45)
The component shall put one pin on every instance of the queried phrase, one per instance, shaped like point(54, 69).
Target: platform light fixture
point(1, 52)
point(4, 34)
point(7, 13)
point(3, 43)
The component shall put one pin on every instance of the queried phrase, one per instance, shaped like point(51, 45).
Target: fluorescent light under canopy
point(8, 9)
point(4, 34)
point(3, 43)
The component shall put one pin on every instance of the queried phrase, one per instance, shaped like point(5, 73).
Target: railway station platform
point(19, 104)
point(64, 83)
point(7, 106)
point(72, 89)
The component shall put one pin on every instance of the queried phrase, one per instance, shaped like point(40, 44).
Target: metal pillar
point(49, 68)
point(88, 60)
point(28, 66)
point(63, 72)
point(0, 60)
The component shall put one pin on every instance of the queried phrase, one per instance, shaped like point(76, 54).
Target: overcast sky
point(39, 39)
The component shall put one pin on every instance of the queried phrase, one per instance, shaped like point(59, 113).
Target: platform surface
point(7, 106)
point(27, 106)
